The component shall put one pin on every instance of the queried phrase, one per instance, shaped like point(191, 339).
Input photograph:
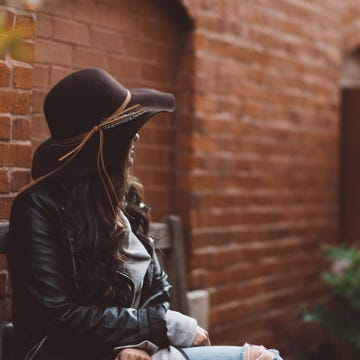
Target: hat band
point(119, 116)
point(84, 137)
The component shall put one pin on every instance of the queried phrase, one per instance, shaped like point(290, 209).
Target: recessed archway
point(350, 148)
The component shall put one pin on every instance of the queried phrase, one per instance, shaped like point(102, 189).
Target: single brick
point(4, 74)
point(156, 74)
point(50, 52)
point(39, 128)
point(84, 57)
point(4, 181)
point(38, 96)
point(7, 98)
point(15, 155)
point(19, 179)
point(7, 18)
point(21, 129)
point(23, 77)
point(57, 73)
point(60, 8)
point(44, 26)
point(41, 75)
point(113, 18)
point(5, 127)
point(104, 39)
point(22, 103)
point(124, 68)
point(70, 31)
point(26, 25)
point(138, 48)
point(23, 51)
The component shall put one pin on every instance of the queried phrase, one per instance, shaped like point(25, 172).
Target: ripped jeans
point(228, 353)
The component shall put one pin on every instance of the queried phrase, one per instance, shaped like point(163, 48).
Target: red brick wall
point(263, 181)
point(137, 42)
point(16, 81)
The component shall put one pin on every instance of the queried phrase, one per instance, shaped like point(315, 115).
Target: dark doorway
point(350, 169)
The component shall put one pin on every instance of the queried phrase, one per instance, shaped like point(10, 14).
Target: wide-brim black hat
point(92, 118)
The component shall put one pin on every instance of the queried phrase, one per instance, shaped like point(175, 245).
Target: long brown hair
point(98, 230)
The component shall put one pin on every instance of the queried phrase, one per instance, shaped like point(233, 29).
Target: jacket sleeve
point(41, 277)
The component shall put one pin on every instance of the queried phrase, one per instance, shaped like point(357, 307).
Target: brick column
point(16, 81)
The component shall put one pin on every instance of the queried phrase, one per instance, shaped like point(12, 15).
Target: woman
point(86, 280)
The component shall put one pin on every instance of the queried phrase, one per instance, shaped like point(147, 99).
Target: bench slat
point(160, 233)
point(4, 228)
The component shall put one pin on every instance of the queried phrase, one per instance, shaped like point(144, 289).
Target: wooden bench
point(169, 239)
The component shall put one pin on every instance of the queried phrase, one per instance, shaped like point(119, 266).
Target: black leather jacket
point(44, 291)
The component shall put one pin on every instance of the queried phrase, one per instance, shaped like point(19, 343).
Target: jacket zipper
point(36, 348)
point(72, 250)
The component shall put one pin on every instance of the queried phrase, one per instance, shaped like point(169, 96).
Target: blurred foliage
point(340, 317)
point(13, 37)
point(10, 37)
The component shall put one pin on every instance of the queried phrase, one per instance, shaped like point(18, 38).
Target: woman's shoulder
point(44, 195)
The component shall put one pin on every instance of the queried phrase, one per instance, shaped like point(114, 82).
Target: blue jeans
point(220, 353)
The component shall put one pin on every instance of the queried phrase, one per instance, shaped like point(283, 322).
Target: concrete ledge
point(198, 301)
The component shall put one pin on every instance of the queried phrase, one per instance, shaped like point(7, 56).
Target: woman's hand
point(254, 352)
point(133, 354)
point(201, 337)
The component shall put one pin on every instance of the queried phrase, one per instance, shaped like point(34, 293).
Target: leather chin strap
point(120, 116)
